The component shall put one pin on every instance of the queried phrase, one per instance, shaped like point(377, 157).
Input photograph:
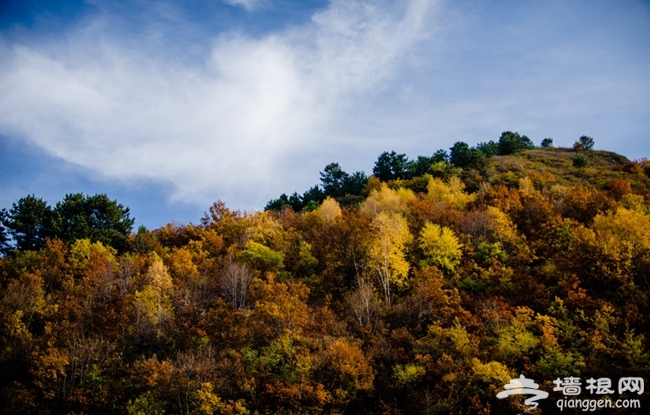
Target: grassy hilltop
point(602, 168)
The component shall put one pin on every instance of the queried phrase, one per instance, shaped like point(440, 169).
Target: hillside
point(603, 167)
point(424, 288)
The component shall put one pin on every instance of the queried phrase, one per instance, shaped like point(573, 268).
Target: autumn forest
point(422, 288)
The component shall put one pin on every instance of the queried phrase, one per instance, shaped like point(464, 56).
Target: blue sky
point(168, 106)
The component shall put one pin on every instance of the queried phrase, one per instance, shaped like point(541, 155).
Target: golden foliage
point(386, 251)
point(264, 229)
point(635, 202)
point(329, 210)
point(621, 228)
point(492, 372)
point(347, 369)
point(452, 192)
point(281, 306)
point(526, 186)
point(503, 229)
point(440, 246)
point(516, 339)
point(152, 304)
point(387, 200)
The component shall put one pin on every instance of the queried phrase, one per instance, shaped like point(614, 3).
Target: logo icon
point(524, 386)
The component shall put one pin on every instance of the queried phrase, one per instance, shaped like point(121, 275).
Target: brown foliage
point(583, 204)
point(619, 188)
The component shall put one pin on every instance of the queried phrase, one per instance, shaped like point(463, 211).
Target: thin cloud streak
point(249, 5)
point(217, 129)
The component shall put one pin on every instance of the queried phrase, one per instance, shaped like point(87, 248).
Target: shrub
point(579, 161)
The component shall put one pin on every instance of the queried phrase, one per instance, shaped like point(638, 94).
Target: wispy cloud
point(241, 109)
point(246, 4)
point(223, 127)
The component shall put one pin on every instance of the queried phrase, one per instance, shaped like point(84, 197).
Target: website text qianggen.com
point(594, 404)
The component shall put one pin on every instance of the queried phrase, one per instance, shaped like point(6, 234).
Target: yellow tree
point(96, 265)
point(263, 228)
point(622, 242)
point(452, 192)
point(440, 246)
point(502, 228)
point(387, 200)
point(24, 298)
point(152, 304)
point(329, 210)
point(386, 257)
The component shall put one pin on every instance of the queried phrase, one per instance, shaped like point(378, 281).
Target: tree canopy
point(92, 217)
point(31, 221)
point(428, 294)
point(510, 143)
point(391, 166)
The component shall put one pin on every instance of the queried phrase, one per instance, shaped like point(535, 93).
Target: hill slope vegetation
point(422, 289)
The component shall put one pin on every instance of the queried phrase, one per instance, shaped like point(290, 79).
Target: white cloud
point(233, 127)
point(246, 4)
point(244, 117)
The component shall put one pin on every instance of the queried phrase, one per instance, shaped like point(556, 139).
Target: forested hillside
point(423, 288)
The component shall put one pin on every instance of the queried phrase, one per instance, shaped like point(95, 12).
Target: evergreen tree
point(547, 143)
point(314, 194)
point(391, 166)
point(420, 166)
point(333, 179)
point(277, 204)
point(93, 217)
point(353, 183)
point(460, 154)
point(29, 222)
point(510, 143)
point(440, 155)
point(465, 157)
point(587, 142)
point(488, 149)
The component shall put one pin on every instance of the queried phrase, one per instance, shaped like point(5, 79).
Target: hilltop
point(602, 167)
point(487, 163)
